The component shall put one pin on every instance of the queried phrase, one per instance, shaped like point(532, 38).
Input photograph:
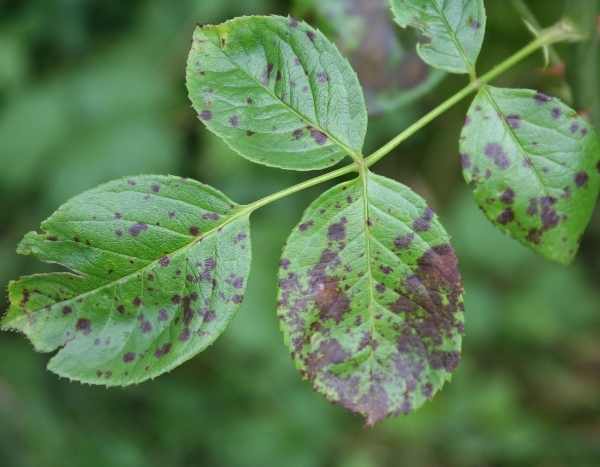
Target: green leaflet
point(389, 69)
point(160, 266)
point(533, 164)
point(370, 298)
point(453, 30)
point(277, 91)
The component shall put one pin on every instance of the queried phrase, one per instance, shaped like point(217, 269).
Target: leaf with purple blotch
point(277, 91)
point(370, 298)
point(533, 165)
point(158, 267)
point(453, 30)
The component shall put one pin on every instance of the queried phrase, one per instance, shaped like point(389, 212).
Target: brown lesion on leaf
point(330, 299)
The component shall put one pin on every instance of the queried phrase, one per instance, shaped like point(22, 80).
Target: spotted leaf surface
point(158, 267)
point(453, 30)
point(370, 298)
point(533, 164)
point(277, 91)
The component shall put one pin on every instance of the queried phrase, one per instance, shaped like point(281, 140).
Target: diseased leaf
point(370, 298)
point(533, 164)
point(277, 91)
point(388, 67)
point(159, 266)
point(453, 30)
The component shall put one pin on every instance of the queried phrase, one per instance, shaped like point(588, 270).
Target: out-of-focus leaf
point(128, 146)
point(533, 164)
point(453, 30)
point(87, 111)
point(29, 127)
point(159, 266)
point(14, 62)
point(584, 63)
point(390, 71)
point(277, 91)
point(370, 298)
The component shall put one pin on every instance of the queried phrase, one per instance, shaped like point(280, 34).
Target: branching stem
point(562, 31)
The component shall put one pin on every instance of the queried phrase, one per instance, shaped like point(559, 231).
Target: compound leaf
point(533, 164)
point(389, 69)
point(277, 91)
point(453, 30)
point(370, 298)
point(159, 266)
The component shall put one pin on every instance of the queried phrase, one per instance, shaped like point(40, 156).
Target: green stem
point(530, 18)
point(562, 31)
point(302, 186)
point(559, 32)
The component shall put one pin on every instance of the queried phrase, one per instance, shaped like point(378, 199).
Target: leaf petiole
point(562, 31)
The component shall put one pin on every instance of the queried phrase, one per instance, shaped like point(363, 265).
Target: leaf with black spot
point(533, 165)
point(277, 91)
point(370, 298)
point(158, 265)
point(453, 30)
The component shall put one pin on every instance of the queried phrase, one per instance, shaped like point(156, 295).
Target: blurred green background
point(92, 90)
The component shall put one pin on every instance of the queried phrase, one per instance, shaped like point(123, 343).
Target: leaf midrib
point(357, 157)
point(363, 175)
point(522, 152)
point(242, 210)
point(453, 36)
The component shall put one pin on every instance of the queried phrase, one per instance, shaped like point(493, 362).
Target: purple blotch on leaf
point(319, 137)
point(556, 113)
point(465, 161)
point(541, 98)
point(508, 196)
point(84, 326)
point(497, 155)
point(136, 229)
point(581, 178)
point(206, 115)
point(129, 357)
point(506, 216)
point(322, 77)
point(423, 223)
point(305, 226)
point(404, 241)
point(337, 231)
point(514, 121)
point(163, 350)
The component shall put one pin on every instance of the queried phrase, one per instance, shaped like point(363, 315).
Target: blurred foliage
point(91, 90)
point(383, 55)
